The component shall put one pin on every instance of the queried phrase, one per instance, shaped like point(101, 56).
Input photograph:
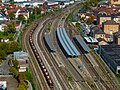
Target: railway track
point(38, 75)
point(52, 62)
point(36, 71)
point(110, 87)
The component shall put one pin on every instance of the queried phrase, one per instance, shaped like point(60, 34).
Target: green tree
point(22, 77)
point(14, 46)
point(11, 27)
point(70, 79)
point(4, 46)
point(14, 71)
point(2, 54)
point(21, 18)
point(21, 87)
point(5, 30)
point(24, 84)
point(16, 63)
point(11, 15)
point(77, 24)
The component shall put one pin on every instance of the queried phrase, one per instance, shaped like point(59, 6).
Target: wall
point(111, 28)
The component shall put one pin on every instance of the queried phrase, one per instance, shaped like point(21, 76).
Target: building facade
point(110, 27)
point(110, 54)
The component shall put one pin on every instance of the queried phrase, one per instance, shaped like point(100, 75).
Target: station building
point(111, 55)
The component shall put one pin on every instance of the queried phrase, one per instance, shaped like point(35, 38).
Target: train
point(39, 60)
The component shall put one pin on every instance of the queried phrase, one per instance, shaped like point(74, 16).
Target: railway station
point(81, 44)
point(111, 55)
point(66, 43)
point(49, 43)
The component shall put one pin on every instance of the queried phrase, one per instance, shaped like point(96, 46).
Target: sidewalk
point(29, 86)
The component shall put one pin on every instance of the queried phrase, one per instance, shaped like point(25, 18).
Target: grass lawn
point(10, 35)
point(29, 78)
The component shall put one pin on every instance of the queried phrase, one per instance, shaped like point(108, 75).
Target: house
point(115, 1)
point(96, 32)
point(18, 25)
point(102, 18)
point(25, 13)
point(3, 17)
point(101, 41)
point(3, 85)
point(116, 17)
point(110, 27)
point(5, 40)
point(21, 55)
point(117, 38)
point(22, 65)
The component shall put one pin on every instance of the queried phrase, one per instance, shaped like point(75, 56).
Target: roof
point(91, 40)
point(113, 51)
point(3, 85)
point(117, 34)
point(49, 42)
point(20, 55)
point(103, 15)
point(66, 43)
point(82, 43)
point(110, 22)
point(96, 30)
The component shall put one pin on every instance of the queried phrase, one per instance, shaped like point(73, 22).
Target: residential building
point(18, 25)
point(22, 65)
point(111, 55)
point(3, 85)
point(110, 27)
point(24, 13)
point(101, 41)
point(21, 55)
point(5, 40)
point(115, 1)
point(102, 18)
point(116, 17)
point(3, 17)
point(96, 32)
point(117, 38)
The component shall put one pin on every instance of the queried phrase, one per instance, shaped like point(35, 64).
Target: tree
point(4, 46)
point(14, 46)
point(70, 79)
point(5, 30)
point(90, 20)
point(21, 77)
point(11, 27)
point(11, 15)
point(77, 24)
point(15, 63)
point(24, 84)
point(21, 87)
point(21, 18)
point(2, 54)
point(14, 72)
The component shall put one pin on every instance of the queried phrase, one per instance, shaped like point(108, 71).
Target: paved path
point(29, 86)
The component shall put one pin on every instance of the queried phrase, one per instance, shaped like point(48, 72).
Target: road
point(18, 33)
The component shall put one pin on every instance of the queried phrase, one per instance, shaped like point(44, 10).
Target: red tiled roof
point(115, 0)
point(22, 63)
point(6, 23)
point(5, 38)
